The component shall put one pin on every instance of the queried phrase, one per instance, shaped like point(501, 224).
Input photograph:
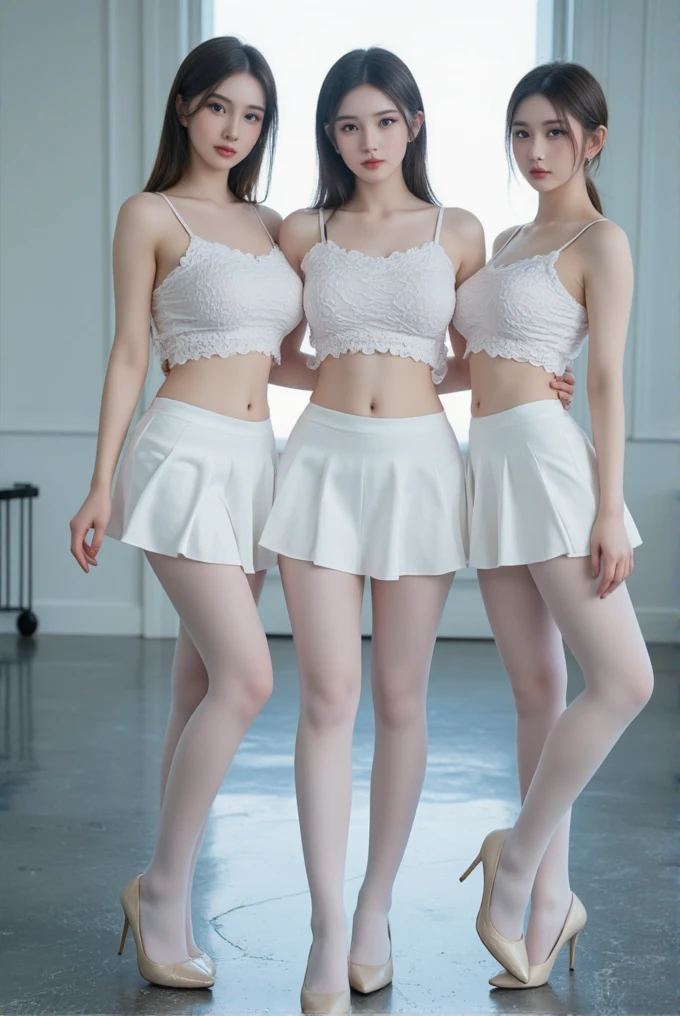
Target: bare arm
point(134, 269)
point(299, 232)
point(466, 231)
point(608, 278)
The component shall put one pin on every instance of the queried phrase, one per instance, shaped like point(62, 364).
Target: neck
point(207, 184)
point(568, 203)
point(381, 198)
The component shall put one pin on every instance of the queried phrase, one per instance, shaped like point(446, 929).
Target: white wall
point(83, 84)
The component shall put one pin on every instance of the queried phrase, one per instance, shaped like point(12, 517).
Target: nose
point(230, 127)
point(370, 138)
point(537, 148)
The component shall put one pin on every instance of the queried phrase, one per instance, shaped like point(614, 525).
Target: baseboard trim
point(76, 617)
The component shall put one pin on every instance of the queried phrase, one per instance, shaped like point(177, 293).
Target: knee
point(254, 685)
point(331, 701)
point(638, 685)
point(539, 688)
point(398, 699)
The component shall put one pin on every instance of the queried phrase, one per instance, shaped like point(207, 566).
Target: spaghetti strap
point(261, 221)
point(580, 233)
point(322, 226)
point(175, 212)
point(438, 228)
point(509, 240)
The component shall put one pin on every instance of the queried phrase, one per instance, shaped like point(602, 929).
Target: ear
point(416, 124)
point(595, 143)
point(179, 107)
point(331, 140)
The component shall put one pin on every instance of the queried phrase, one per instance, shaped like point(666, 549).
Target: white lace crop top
point(400, 304)
point(521, 311)
point(219, 301)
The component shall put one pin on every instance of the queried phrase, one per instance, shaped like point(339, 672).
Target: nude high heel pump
point(331, 1003)
point(367, 979)
point(512, 954)
point(539, 975)
point(187, 974)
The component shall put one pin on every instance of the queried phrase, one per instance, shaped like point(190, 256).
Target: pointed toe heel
point(187, 974)
point(540, 974)
point(511, 953)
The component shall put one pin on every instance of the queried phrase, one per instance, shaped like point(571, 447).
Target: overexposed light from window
point(466, 58)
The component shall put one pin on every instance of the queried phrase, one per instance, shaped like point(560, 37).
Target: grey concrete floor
point(81, 727)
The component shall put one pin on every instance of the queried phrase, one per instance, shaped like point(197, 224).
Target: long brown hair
point(200, 73)
point(386, 72)
point(572, 90)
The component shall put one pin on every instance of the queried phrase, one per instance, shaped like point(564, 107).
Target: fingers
point(608, 573)
point(97, 539)
point(78, 545)
point(595, 559)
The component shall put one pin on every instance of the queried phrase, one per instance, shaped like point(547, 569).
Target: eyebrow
point(223, 98)
point(545, 123)
point(354, 116)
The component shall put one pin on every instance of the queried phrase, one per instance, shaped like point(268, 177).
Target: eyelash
point(386, 119)
point(217, 107)
point(521, 135)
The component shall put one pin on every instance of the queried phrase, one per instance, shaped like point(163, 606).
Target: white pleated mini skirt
point(368, 496)
point(532, 487)
point(197, 484)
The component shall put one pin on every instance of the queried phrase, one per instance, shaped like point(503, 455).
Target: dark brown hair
point(386, 72)
point(200, 73)
point(573, 91)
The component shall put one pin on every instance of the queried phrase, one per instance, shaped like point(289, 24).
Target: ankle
point(329, 925)
point(551, 899)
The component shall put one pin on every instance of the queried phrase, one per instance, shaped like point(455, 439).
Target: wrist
point(611, 510)
point(100, 485)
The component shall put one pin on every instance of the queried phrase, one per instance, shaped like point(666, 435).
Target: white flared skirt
point(532, 487)
point(197, 484)
point(368, 496)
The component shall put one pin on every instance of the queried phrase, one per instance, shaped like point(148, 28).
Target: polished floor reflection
point(81, 725)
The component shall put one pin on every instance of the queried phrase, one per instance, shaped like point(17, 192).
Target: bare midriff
point(499, 384)
point(376, 384)
point(234, 386)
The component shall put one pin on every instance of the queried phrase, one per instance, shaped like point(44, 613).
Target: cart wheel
point(27, 623)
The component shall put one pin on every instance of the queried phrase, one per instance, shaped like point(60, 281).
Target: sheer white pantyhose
point(219, 615)
point(325, 611)
point(605, 638)
point(530, 646)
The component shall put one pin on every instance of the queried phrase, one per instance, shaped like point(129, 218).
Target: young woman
point(371, 484)
point(196, 481)
point(549, 530)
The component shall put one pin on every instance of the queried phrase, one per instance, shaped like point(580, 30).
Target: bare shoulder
point(271, 219)
point(460, 222)
point(605, 238)
point(144, 214)
point(299, 232)
point(503, 238)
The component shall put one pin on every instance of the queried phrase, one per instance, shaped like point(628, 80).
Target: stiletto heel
point(187, 974)
point(512, 954)
point(468, 871)
point(538, 975)
point(367, 979)
point(123, 937)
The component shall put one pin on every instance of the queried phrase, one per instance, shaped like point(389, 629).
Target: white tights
point(221, 679)
point(559, 750)
point(325, 612)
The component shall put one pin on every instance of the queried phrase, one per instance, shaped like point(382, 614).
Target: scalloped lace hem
point(439, 369)
point(548, 366)
point(205, 350)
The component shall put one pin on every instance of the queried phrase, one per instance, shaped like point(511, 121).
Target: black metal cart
point(16, 554)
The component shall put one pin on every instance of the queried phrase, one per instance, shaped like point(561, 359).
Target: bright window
point(466, 58)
